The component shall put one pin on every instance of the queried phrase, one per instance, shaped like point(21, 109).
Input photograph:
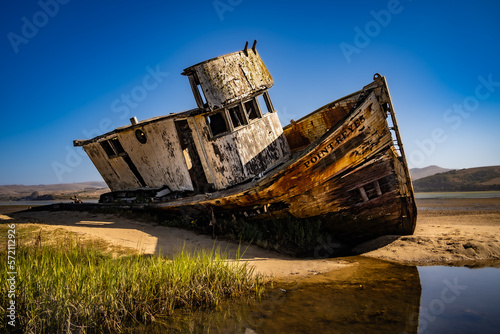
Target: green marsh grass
point(72, 286)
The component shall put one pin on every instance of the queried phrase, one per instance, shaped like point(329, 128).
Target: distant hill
point(63, 190)
point(468, 179)
point(418, 173)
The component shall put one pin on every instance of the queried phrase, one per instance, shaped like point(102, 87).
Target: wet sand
point(448, 230)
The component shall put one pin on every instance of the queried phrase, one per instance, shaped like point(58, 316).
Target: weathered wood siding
point(244, 153)
point(221, 156)
point(232, 77)
point(160, 161)
point(226, 160)
point(115, 171)
point(359, 137)
point(261, 145)
point(305, 131)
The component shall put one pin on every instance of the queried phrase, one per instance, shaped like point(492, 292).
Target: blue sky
point(75, 69)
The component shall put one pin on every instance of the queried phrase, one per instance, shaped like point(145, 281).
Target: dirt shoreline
point(448, 231)
point(149, 238)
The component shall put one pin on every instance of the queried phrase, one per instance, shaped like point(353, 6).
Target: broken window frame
point(108, 149)
point(258, 113)
point(228, 119)
point(243, 120)
point(117, 146)
point(199, 95)
point(113, 148)
point(225, 116)
point(267, 101)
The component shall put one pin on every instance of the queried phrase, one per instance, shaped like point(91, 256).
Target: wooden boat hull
point(352, 177)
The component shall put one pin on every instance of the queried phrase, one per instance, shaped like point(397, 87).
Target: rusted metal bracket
point(253, 47)
point(246, 49)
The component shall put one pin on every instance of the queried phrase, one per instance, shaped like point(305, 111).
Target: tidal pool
point(367, 296)
point(459, 300)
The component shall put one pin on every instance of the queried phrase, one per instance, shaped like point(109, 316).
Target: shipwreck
point(343, 164)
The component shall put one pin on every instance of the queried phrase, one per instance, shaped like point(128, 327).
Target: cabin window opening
point(117, 146)
point(201, 93)
point(251, 110)
point(217, 123)
point(237, 117)
point(106, 146)
point(385, 184)
point(370, 190)
point(141, 136)
point(199, 96)
point(264, 100)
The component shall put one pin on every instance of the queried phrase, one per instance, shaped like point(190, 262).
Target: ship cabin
point(233, 136)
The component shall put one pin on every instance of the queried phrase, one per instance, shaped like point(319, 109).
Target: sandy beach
point(148, 238)
point(448, 231)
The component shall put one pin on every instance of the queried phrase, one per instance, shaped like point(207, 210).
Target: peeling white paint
point(232, 77)
point(226, 160)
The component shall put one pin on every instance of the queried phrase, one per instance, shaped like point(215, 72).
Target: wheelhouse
point(233, 136)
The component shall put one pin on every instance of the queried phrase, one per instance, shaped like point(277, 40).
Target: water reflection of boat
point(342, 164)
point(372, 296)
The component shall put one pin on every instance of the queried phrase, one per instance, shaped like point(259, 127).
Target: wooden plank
point(363, 194)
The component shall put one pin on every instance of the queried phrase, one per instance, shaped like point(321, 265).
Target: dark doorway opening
point(198, 177)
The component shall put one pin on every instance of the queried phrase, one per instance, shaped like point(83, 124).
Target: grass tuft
point(75, 287)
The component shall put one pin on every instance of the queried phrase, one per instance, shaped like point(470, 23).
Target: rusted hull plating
point(350, 176)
